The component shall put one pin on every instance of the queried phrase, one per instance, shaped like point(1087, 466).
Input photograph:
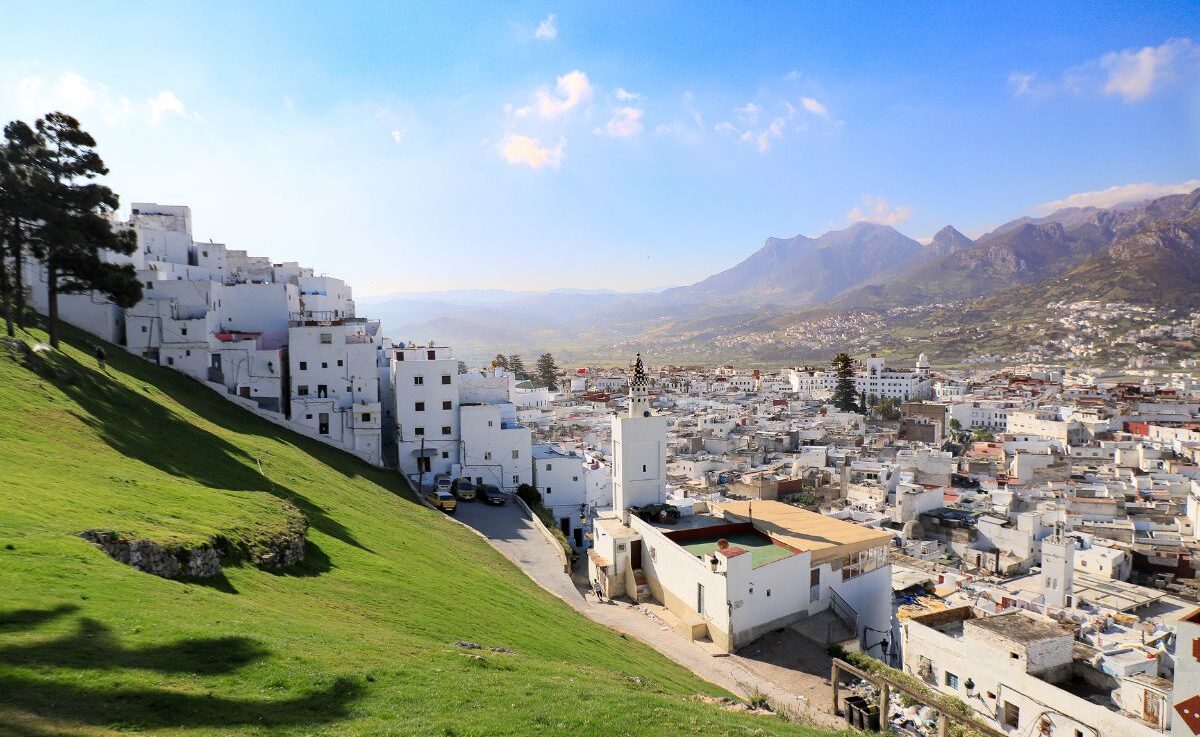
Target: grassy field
point(357, 640)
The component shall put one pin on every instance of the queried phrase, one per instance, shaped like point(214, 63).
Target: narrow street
point(790, 670)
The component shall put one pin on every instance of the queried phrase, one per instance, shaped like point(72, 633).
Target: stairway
point(643, 588)
point(827, 628)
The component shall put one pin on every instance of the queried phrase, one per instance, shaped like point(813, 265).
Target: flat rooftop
point(825, 537)
point(1020, 627)
point(761, 548)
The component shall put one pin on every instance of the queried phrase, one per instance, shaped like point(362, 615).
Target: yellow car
point(443, 500)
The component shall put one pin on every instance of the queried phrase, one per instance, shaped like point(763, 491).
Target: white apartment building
point(559, 477)
point(425, 382)
point(335, 382)
point(495, 447)
point(873, 378)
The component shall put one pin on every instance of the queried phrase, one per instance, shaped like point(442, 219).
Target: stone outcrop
point(148, 556)
point(284, 548)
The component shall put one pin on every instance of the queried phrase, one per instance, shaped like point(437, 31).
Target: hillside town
point(1021, 538)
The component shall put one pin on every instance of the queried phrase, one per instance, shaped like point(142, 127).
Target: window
point(1015, 656)
point(487, 455)
point(304, 365)
point(149, 285)
point(419, 407)
point(188, 352)
point(143, 328)
point(547, 489)
point(516, 454)
point(643, 468)
point(447, 404)
point(445, 378)
point(446, 429)
point(1012, 715)
point(399, 355)
point(170, 361)
point(418, 381)
point(491, 424)
point(366, 416)
point(516, 480)
point(204, 254)
point(431, 355)
point(324, 364)
point(548, 467)
point(308, 417)
point(340, 363)
point(418, 431)
point(700, 598)
point(302, 390)
point(446, 454)
point(574, 478)
point(183, 330)
point(951, 680)
point(326, 338)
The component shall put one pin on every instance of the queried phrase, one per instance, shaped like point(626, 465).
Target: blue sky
point(535, 145)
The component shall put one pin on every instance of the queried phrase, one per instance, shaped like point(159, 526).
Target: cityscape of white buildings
point(1022, 538)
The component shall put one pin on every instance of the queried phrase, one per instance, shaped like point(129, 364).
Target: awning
point(425, 453)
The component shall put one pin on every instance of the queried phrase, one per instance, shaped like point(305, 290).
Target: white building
point(495, 447)
point(424, 380)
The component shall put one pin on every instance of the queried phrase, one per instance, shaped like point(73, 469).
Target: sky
point(409, 147)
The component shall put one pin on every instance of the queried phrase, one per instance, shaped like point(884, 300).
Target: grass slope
point(357, 640)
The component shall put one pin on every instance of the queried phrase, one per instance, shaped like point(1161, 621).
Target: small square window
point(418, 431)
point(445, 378)
point(547, 489)
point(188, 352)
point(143, 328)
point(516, 480)
point(302, 390)
point(447, 404)
point(366, 416)
point(326, 338)
point(431, 355)
point(487, 455)
point(304, 365)
point(308, 417)
point(419, 407)
point(418, 380)
point(548, 467)
point(339, 362)
point(445, 454)
point(951, 680)
point(170, 361)
point(183, 330)
point(324, 364)
point(516, 454)
point(446, 429)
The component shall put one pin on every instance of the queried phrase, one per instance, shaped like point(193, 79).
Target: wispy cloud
point(523, 150)
point(547, 29)
point(397, 135)
point(1130, 74)
point(878, 210)
point(813, 106)
point(77, 95)
point(625, 95)
point(570, 90)
point(1118, 194)
point(624, 123)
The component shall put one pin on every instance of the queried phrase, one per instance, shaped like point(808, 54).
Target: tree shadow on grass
point(62, 696)
point(22, 619)
point(138, 427)
point(219, 582)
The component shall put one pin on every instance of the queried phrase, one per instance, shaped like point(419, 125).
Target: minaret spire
point(639, 390)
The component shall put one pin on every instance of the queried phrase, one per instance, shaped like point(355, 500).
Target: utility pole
point(421, 466)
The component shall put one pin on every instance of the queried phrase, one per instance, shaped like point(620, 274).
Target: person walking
point(101, 356)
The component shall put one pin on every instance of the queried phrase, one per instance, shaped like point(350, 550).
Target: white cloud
point(748, 112)
point(792, 75)
point(1119, 194)
point(76, 95)
point(625, 95)
point(397, 135)
point(1021, 83)
point(571, 90)
point(774, 131)
point(518, 149)
point(1133, 74)
point(878, 210)
point(625, 122)
point(813, 106)
point(165, 105)
point(547, 29)
point(725, 128)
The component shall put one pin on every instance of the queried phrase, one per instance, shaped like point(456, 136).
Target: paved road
point(514, 535)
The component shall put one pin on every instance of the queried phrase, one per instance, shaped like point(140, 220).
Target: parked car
point(444, 483)
point(443, 500)
point(490, 494)
point(464, 489)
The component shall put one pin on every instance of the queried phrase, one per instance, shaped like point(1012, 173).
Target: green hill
point(358, 639)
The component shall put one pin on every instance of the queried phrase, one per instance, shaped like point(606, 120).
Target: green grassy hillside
point(356, 640)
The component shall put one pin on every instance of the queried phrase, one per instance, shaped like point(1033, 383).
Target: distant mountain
point(803, 270)
point(947, 241)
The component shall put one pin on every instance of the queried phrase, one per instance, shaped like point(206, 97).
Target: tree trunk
point(52, 294)
point(5, 291)
point(18, 247)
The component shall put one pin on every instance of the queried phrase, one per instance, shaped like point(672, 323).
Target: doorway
point(635, 554)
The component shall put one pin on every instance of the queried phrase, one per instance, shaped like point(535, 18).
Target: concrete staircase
point(827, 628)
point(643, 588)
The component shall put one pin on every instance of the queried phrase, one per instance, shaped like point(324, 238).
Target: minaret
point(922, 365)
point(1058, 569)
point(639, 391)
point(639, 448)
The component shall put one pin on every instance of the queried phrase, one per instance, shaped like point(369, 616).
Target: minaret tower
point(639, 448)
point(639, 391)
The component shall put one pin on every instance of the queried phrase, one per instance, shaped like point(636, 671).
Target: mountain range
point(1144, 252)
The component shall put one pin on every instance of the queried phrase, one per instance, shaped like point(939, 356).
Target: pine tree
point(463, 368)
point(845, 396)
point(16, 213)
point(547, 371)
point(517, 366)
point(73, 227)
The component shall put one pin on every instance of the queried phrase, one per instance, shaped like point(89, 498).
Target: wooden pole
point(943, 724)
point(885, 692)
point(834, 679)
